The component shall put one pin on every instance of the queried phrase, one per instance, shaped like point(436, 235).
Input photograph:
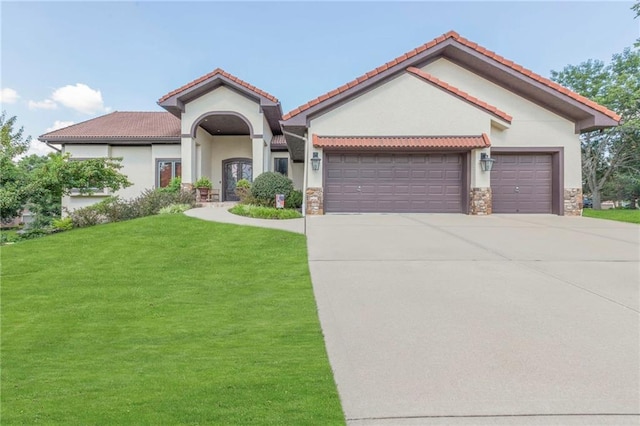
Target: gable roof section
point(402, 142)
point(175, 101)
point(221, 72)
point(461, 94)
point(451, 45)
point(125, 126)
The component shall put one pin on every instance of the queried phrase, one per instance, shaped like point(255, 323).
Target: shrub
point(86, 216)
point(267, 185)
point(175, 209)
point(115, 209)
point(293, 200)
point(175, 185)
point(64, 224)
point(262, 212)
point(151, 201)
point(243, 191)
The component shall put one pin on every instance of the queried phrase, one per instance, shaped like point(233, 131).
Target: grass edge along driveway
point(163, 320)
point(620, 215)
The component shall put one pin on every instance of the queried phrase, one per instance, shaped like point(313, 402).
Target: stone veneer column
point(573, 201)
point(480, 202)
point(315, 204)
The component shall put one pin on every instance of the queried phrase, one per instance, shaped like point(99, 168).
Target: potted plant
point(203, 185)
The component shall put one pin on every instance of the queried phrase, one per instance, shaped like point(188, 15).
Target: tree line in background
point(611, 157)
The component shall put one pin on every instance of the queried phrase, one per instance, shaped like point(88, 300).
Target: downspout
point(304, 176)
point(51, 146)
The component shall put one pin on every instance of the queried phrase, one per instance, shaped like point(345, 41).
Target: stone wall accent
point(480, 202)
point(315, 204)
point(573, 201)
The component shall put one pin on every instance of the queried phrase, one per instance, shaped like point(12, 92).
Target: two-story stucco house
point(447, 127)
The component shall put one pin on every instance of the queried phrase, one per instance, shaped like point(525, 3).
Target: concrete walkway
point(463, 320)
point(218, 212)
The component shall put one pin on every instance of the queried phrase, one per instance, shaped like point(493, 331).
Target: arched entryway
point(233, 170)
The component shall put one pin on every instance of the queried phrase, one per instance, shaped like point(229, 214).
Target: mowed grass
point(632, 216)
point(163, 320)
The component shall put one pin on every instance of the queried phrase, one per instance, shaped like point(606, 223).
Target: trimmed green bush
point(262, 212)
point(175, 185)
point(243, 191)
point(267, 185)
point(293, 200)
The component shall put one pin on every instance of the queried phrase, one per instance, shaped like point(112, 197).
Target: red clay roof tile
point(219, 71)
point(121, 126)
point(455, 36)
point(464, 95)
point(402, 142)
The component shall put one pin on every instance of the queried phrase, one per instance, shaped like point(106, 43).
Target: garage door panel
point(522, 183)
point(393, 183)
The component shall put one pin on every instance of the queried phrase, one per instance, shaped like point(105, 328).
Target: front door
point(233, 170)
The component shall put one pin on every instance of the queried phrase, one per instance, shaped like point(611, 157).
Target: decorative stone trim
point(480, 201)
point(315, 204)
point(572, 201)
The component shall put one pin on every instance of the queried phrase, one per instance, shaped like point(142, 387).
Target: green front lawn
point(632, 216)
point(163, 320)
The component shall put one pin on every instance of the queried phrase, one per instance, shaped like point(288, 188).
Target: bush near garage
point(267, 185)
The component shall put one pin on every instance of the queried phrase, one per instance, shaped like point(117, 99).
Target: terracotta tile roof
point(464, 95)
point(219, 71)
point(121, 125)
point(455, 36)
point(402, 142)
point(278, 140)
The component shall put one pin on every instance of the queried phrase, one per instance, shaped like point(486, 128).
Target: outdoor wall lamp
point(315, 161)
point(486, 163)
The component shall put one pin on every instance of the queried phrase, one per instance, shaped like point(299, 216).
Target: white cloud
point(46, 104)
point(8, 96)
point(80, 97)
point(39, 148)
point(59, 125)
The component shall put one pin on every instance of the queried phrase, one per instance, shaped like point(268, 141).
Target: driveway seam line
point(549, 274)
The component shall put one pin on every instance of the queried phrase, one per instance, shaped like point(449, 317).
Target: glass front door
point(234, 170)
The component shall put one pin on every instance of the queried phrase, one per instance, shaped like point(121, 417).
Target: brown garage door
point(383, 182)
point(521, 183)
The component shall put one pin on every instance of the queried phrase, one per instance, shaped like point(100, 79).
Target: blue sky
point(66, 62)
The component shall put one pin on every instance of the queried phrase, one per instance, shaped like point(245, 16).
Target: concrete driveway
point(504, 319)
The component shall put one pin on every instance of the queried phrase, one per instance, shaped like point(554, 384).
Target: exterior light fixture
point(315, 161)
point(486, 163)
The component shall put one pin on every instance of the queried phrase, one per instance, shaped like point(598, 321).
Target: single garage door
point(522, 183)
point(384, 182)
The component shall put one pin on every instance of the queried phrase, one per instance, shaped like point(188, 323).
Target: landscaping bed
point(261, 212)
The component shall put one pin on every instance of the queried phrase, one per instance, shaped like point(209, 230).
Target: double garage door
point(385, 182)
point(432, 183)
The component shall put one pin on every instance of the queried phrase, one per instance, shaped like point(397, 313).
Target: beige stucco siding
point(137, 166)
point(405, 105)
point(87, 151)
point(222, 99)
point(532, 125)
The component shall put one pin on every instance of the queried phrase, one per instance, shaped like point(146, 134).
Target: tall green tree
point(613, 152)
point(12, 178)
point(40, 182)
